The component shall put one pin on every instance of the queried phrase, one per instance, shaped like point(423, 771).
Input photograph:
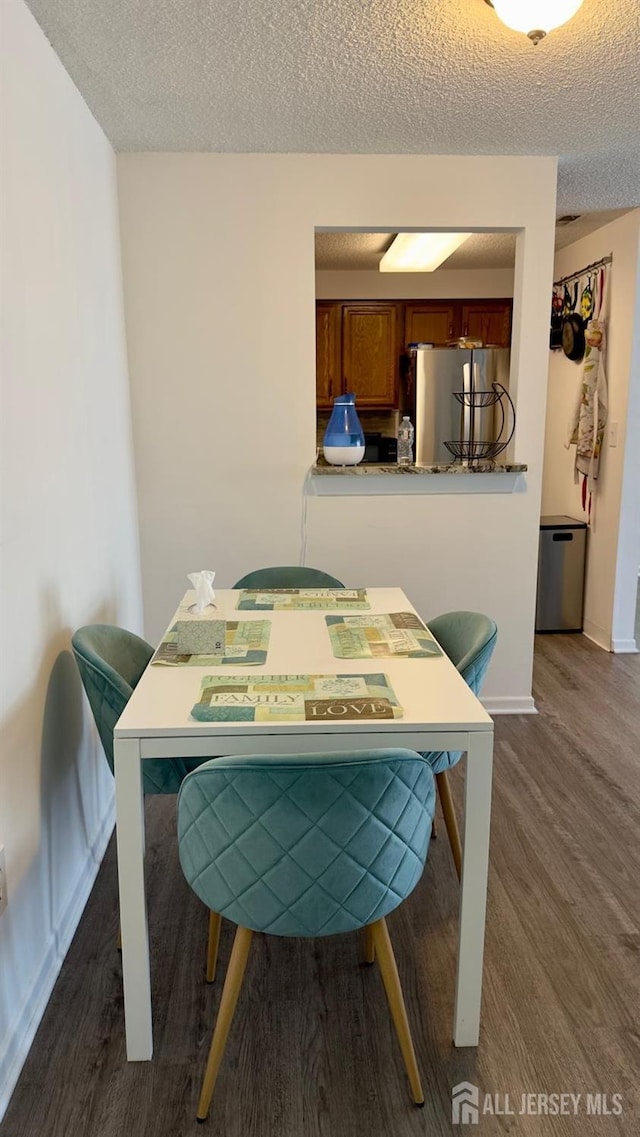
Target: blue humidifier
point(343, 443)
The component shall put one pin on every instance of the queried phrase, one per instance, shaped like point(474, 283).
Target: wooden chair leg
point(453, 833)
point(391, 980)
point(215, 923)
point(230, 992)
point(368, 949)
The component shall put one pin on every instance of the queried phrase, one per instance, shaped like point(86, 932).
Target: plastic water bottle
point(405, 442)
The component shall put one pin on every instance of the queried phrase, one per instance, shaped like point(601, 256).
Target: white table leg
point(473, 889)
point(133, 908)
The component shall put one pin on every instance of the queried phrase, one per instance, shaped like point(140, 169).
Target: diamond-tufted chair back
point(111, 661)
point(468, 638)
point(306, 845)
point(288, 576)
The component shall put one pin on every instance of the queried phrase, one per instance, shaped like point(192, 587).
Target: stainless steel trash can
point(561, 556)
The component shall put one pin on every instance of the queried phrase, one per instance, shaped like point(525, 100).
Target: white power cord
point(306, 490)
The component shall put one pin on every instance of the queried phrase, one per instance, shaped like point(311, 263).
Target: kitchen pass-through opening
point(411, 341)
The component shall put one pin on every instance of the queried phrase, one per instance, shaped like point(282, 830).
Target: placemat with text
point(303, 599)
point(400, 635)
point(246, 643)
point(295, 698)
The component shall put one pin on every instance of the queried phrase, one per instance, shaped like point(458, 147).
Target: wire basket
point(477, 398)
point(475, 451)
point(479, 450)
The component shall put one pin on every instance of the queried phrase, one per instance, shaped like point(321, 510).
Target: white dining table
point(440, 712)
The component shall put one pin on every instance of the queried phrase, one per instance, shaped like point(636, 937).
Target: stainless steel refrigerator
point(448, 407)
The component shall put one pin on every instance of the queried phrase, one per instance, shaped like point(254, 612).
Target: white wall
point(68, 525)
point(218, 255)
point(444, 284)
point(614, 541)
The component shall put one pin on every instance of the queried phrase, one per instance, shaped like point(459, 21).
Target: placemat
point(295, 698)
point(246, 643)
point(303, 599)
point(398, 635)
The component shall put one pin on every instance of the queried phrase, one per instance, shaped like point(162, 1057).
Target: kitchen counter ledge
point(482, 477)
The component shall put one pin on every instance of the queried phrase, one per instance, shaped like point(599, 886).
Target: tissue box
point(200, 637)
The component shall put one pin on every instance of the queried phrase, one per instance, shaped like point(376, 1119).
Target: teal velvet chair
point(307, 845)
point(111, 661)
point(288, 576)
point(468, 638)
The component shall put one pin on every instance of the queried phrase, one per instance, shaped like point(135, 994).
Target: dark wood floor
point(312, 1052)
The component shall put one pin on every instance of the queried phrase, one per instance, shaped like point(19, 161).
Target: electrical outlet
point(3, 882)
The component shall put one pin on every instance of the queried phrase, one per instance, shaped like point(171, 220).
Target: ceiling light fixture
point(420, 252)
point(534, 17)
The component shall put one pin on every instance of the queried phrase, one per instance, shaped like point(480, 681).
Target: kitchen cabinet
point(357, 349)
point(430, 322)
point(487, 320)
point(328, 353)
point(361, 345)
point(440, 322)
point(370, 353)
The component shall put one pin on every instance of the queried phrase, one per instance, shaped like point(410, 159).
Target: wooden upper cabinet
point(370, 353)
point(430, 322)
point(489, 321)
point(328, 353)
point(359, 343)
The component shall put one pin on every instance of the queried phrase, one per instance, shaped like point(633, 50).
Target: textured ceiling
point(363, 251)
point(345, 76)
point(353, 251)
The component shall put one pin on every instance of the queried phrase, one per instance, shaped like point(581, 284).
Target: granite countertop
point(371, 469)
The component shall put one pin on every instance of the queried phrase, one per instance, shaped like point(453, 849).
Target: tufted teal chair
point(288, 576)
point(307, 845)
point(111, 661)
point(468, 638)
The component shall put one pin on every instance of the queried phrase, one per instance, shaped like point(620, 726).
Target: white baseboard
point(624, 647)
point(597, 635)
point(510, 705)
point(603, 639)
point(16, 1047)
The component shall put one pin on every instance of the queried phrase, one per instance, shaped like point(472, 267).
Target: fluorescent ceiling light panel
point(420, 252)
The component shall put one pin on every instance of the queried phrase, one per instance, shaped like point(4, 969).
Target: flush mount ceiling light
point(534, 17)
point(420, 252)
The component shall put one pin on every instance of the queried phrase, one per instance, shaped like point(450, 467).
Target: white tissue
point(203, 584)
